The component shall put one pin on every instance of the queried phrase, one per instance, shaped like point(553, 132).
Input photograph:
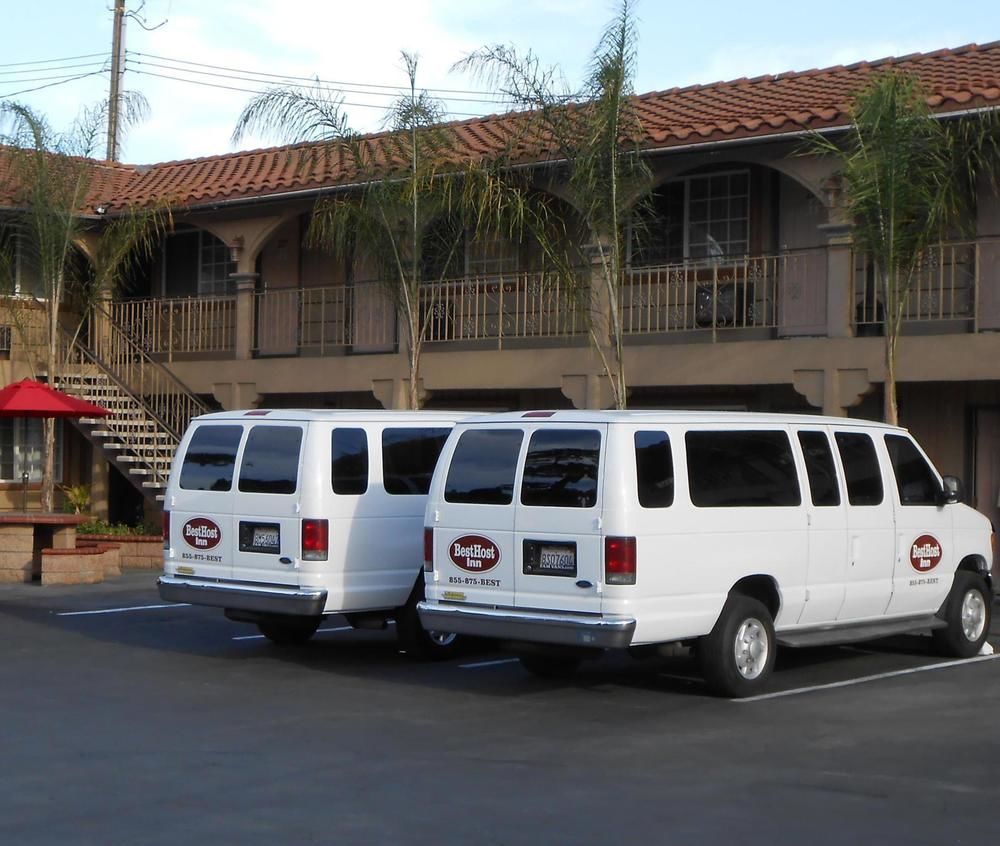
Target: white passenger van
point(564, 533)
point(282, 517)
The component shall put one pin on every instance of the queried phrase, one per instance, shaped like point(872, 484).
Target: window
point(408, 459)
point(490, 256)
point(560, 468)
point(820, 468)
point(697, 217)
point(483, 467)
point(729, 469)
point(349, 468)
point(654, 467)
point(21, 441)
point(210, 458)
point(271, 460)
point(861, 470)
point(915, 480)
point(215, 265)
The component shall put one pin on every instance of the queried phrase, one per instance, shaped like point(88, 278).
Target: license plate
point(260, 537)
point(265, 538)
point(556, 559)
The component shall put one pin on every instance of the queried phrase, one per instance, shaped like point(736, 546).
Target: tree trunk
point(890, 410)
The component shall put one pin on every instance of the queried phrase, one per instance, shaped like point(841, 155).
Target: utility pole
point(117, 70)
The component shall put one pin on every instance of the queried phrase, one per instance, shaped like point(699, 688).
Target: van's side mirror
point(951, 490)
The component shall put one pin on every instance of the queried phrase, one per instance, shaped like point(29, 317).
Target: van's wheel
point(418, 642)
point(967, 614)
point(288, 630)
point(549, 666)
point(737, 656)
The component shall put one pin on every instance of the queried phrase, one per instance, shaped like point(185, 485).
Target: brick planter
point(137, 552)
point(80, 566)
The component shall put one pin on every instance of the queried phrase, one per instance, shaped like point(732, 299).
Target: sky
point(186, 56)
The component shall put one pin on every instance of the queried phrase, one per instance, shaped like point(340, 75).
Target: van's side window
point(861, 470)
point(560, 468)
point(820, 468)
point(916, 482)
point(271, 460)
point(210, 458)
point(732, 469)
point(349, 467)
point(483, 467)
point(654, 468)
point(408, 458)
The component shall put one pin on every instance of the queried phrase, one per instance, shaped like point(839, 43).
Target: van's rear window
point(210, 458)
point(271, 460)
point(349, 468)
point(408, 458)
point(560, 469)
point(732, 469)
point(483, 467)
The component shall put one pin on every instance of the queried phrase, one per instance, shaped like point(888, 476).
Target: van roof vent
point(538, 414)
point(258, 412)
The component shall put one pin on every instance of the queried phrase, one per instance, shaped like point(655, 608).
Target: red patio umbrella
point(29, 398)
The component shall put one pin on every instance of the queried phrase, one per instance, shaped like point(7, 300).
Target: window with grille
point(21, 441)
point(215, 265)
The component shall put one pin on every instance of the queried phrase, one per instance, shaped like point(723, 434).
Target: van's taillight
point(315, 540)
point(166, 530)
point(428, 550)
point(619, 561)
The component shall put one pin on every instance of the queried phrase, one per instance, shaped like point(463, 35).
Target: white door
point(870, 533)
point(559, 550)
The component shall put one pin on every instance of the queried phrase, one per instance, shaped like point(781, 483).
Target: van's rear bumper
point(269, 599)
point(568, 629)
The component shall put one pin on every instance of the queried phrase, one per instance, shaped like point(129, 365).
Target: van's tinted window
point(483, 467)
point(349, 467)
point(916, 482)
point(861, 471)
point(820, 468)
point(408, 458)
point(654, 468)
point(271, 460)
point(561, 468)
point(737, 469)
point(210, 458)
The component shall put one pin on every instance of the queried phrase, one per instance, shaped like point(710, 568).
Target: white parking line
point(865, 679)
point(478, 664)
point(120, 610)
point(318, 631)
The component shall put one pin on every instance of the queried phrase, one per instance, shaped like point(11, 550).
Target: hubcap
point(751, 648)
point(973, 615)
point(442, 638)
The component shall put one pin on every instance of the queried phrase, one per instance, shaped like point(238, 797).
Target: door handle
point(285, 559)
point(583, 583)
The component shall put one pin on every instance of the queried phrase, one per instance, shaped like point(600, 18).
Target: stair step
point(154, 484)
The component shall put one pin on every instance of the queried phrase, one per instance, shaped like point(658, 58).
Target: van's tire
point(967, 615)
point(288, 630)
point(737, 656)
point(549, 666)
point(415, 640)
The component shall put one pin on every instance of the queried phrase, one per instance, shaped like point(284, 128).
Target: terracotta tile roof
point(106, 181)
point(962, 78)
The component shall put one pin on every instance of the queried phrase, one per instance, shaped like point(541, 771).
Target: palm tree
point(909, 181)
point(51, 176)
point(594, 133)
point(418, 198)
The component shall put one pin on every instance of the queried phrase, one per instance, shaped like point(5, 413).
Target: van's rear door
point(559, 550)
point(266, 528)
point(473, 516)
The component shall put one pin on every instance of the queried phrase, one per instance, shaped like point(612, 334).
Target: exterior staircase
point(150, 407)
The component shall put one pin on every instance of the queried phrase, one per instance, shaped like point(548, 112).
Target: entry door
point(559, 551)
point(870, 535)
point(987, 464)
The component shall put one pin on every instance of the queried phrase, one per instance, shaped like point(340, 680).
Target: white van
point(568, 532)
point(282, 517)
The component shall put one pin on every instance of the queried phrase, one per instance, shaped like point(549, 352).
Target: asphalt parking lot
point(124, 721)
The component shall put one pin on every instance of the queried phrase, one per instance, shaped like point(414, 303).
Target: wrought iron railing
point(180, 325)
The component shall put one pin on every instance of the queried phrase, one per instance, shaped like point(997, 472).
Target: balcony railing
point(945, 287)
point(182, 325)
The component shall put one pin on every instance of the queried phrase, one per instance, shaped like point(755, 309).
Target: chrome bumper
point(268, 599)
point(532, 626)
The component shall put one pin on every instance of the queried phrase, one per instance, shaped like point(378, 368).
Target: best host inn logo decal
point(925, 553)
point(474, 553)
point(201, 533)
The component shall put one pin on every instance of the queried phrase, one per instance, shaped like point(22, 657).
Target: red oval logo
point(474, 553)
point(925, 553)
point(201, 533)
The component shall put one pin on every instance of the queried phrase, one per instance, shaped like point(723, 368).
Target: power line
point(51, 61)
point(46, 70)
point(52, 84)
point(66, 76)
